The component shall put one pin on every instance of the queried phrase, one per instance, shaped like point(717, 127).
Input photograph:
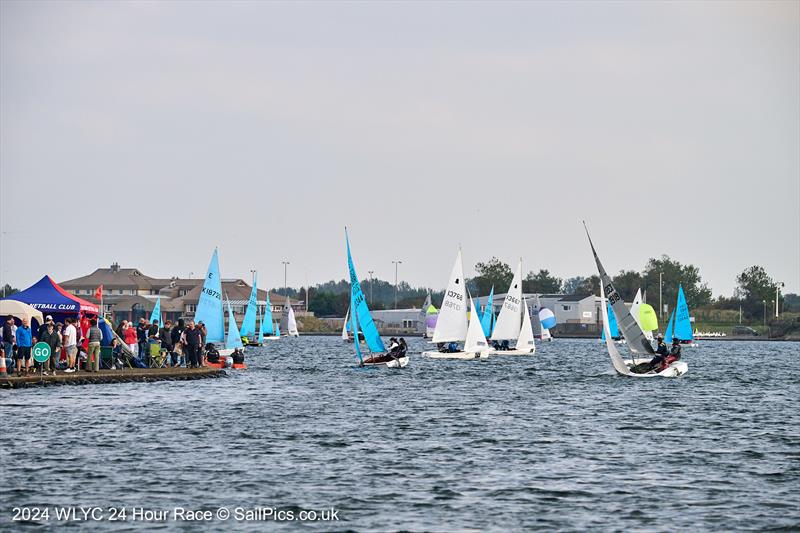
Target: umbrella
point(20, 310)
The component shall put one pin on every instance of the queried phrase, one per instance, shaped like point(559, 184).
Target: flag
point(98, 294)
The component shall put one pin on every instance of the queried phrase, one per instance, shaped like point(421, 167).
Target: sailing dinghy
point(209, 307)
point(452, 326)
point(291, 322)
point(513, 322)
point(248, 331)
point(637, 342)
point(680, 325)
point(361, 322)
point(269, 331)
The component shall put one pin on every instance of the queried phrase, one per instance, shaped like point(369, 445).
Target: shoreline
point(126, 375)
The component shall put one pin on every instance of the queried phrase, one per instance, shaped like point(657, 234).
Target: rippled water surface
point(552, 442)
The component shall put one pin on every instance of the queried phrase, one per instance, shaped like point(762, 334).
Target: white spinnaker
point(525, 340)
point(476, 340)
point(451, 324)
point(616, 358)
point(510, 317)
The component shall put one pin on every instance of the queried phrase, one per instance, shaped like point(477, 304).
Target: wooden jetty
point(125, 375)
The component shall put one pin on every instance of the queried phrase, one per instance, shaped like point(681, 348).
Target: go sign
point(41, 352)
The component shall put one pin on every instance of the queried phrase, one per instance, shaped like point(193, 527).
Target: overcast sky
point(149, 133)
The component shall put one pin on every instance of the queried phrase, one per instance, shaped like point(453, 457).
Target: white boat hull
point(675, 369)
point(224, 352)
point(271, 337)
point(512, 352)
point(457, 355)
point(400, 362)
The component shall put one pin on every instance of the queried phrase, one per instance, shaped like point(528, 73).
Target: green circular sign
point(41, 352)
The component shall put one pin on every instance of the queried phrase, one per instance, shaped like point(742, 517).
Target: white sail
point(525, 340)
point(291, 322)
point(616, 358)
point(451, 325)
point(476, 340)
point(637, 302)
point(510, 317)
point(345, 336)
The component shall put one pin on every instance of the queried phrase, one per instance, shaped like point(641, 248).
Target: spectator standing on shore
point(94, 336)
point(50, 336)
point(177, 348)
point(166, 337)
point(62, 353)
point(129, 336)
point(203, 335)
point(193, 342)
point(24, 340)
point(8, 337)
point(121, 329)
point(153, 331)
point(70, 340)
point(141, 335)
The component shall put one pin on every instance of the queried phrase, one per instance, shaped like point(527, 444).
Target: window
point(407, 324)
point(132, 291)
point(119, 291)
point(566, 307)
point(191, 308)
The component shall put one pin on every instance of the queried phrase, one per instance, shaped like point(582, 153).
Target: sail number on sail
point(511, 303)
point(451, 304)
point(212, 293)
point(613, 295)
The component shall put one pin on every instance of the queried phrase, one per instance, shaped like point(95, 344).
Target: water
point(554, 442)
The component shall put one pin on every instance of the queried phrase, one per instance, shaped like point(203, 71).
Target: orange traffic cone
point(3, 365)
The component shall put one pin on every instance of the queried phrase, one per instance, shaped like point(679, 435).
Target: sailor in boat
point(656, 362)
point(212, 354)
point(501, 346)
point(674, 353)
point(450, 347)
point(238, 358)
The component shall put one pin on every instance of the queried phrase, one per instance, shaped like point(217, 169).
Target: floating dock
point(126, 375)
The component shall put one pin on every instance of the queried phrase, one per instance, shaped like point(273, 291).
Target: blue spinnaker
point(612, 324)
point(209, 307)
point(234, 340)
point(249, 320)
point(357, 300)
point(488, 313)
point(156, 314)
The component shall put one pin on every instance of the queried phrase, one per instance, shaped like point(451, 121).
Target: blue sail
point(249, 321)
point(261, 326)
point(156, 314)
point(612, 324)
point(354, 327)
point(266, 322)
point(277, 330)
point(234, 340)
point(670, 328)
point(209, 307)
point(683, 324)
point(488, 312)
point(364, 319)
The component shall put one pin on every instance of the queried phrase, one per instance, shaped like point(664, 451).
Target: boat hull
point(457, 355)
point(673, 370)
point(400, 362)
point(512, 352)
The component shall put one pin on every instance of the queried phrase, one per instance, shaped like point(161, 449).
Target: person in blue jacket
point(24, 339)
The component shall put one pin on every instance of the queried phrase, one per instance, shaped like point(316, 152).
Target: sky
point(148, 133)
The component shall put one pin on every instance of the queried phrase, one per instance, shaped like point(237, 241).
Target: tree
point(590, 285)
point(7, 290)
point(571, 285)
point(674, 273)
point(542, 283)
point(494, 273)
point(627, 282)
point(755, 287)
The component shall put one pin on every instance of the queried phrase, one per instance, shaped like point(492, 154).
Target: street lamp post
point(285, 286)
point(396, 263)
point(765, 312)
point(370, 286)
point(777, 296)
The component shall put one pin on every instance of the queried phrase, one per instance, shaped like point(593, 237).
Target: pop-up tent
point(20, 310)
point(46, 296)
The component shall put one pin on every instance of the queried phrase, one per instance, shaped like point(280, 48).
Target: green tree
point(627, 283)
point(590, 285)
point(571, 285)
point(493, 273)
point(7, 290)
point(755, 288)
point(542, 282)
point(674, 273)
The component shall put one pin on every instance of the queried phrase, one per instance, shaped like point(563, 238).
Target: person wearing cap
point(50, 336)
point(658, 360)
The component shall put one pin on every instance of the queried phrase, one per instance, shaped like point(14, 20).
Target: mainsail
point(291, 322)
point(156, 314)
point(359, 303)
point(475, 341)
point(510, 318)
point(451, 324)
point(681, 327)
point(209, 307)
point(525, 339)
point(637, 342)
point(266, 322)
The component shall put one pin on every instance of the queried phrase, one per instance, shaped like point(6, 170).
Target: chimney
point(115, 267)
